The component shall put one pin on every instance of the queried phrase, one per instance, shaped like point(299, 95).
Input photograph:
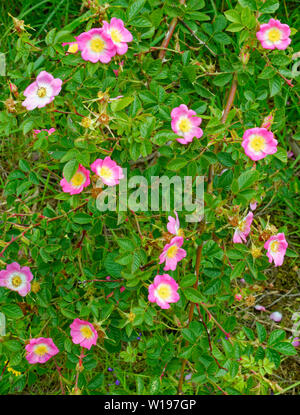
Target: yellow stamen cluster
point(41, 92)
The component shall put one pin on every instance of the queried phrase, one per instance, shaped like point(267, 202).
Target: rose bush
point(145, 301)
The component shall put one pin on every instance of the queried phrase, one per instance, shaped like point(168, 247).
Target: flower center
point(172, 251)
point(242, 226)
point(258, 143)
point(115, 35)
point(86, 332)
point(41, 92)
point(73, 48)
point(16, 281)
point(105, 172)
point(184, 125)
point(41, 350)
point(78, 179)
point(164, 291)
point(274, 35)
point(274, 246)
point(97, 45)
point(180, 232)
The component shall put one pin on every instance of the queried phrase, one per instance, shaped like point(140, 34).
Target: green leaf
point(82, 218)
point(177, 164)
point(24, 165)
point(223, 79)
point(235, 27)
point(27, 126)
point(96, 381)
point(248, 178)
point(213, 287)
point(121, 103)
point(275, 85)
point(285, 348)
point(134, 7)
point(249, 333)
point(270, 6)
point(281, 154)
point(238, 270)
point(192, 295)
point(12, 311)
point(70, 169)
point(147, 127)
point(12, 345)
point(276, 336)
point(225, 159)
point(126, 244)
point(248, 3)
point(261, 332)
point(188, 280)
point(233, 16)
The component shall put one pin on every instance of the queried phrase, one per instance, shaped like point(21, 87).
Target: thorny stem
point(36, 225)
point(79, 368)
point(196, 37)
point(96, 280)
point(209, 339)
point(5, 366)
point(60, 378)
point(191, 312)
point(228, 106)
point(168, 36)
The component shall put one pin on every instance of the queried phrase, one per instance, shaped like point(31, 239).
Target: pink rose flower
point(253, 205)
point(258, 143)
point(276, 248)
point(118, 34)
point(243, 229)
point(42, 91)
point(16, 278)
point(296, 342)
point(95, 45)
point(276, 316)
point(50, 131)
point(108, 171)
point(185, 123)
point(163, 291)
point(83, 333)
point(40, 350)
point(173, 225)
point(274, 35)
point(172, 253)
point(79, 181)
point(259, 307)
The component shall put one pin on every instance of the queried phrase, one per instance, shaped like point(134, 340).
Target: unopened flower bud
point(268, 121)
point(13, 89)
point(244, 57)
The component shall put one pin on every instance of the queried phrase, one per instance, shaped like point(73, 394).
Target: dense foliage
point(98, 266)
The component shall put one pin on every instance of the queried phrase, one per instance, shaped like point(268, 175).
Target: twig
point(169, 34)
point(191, 312)
point(195, 36)
point(209, 339)
point(228, 106)
point(36, 225)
